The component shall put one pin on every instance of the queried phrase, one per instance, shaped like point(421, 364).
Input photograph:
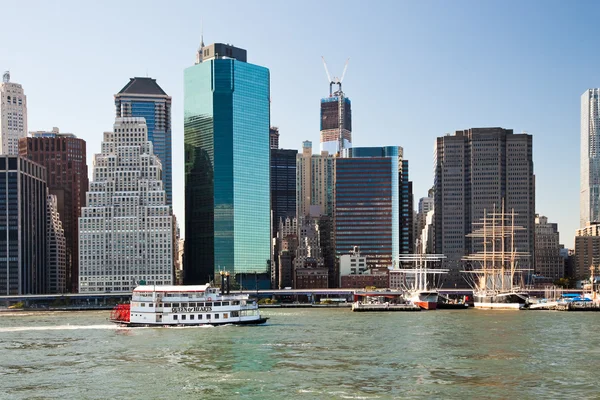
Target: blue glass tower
point(142, 97)
point(227, 198)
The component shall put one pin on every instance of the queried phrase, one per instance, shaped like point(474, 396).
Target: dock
point(377, 307)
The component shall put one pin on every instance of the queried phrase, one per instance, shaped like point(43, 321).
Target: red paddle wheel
point(120, 313)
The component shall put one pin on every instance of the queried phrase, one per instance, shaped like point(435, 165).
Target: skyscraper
point(373, 204)
point(64, 156)
point(548, 261)
point(476, 170)
point(314, 180)
point(125, 230)
point(589, 201)
point(283, 185)
point(274, 137)
point(336, 123)
point(142, 97)
point(226, 127)
point(23, 265)
point(56, 254)
point(13, 115)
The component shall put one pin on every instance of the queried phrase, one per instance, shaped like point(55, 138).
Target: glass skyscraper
point(589, 201)
point(142, 97)
point(226, 127)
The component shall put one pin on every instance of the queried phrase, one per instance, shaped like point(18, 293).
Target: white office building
point(125, 231)
point(13, 115)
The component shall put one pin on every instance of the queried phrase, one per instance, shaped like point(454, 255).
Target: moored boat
point(186, 305)
point(420, 281)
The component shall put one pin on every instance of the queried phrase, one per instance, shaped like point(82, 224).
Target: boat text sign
point(190, 309)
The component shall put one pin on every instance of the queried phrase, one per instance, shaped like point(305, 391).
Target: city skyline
point(501, 85)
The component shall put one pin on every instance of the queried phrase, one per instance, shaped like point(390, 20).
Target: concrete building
point(548, 261)
point(309, 244)
point(23, 257)
point(425, 243)
point(476, 170)
point(373, 204)
point(126, 228)
point(352, 264)
point(64, 156)
point(371, 277)
point(314, 180)
point(142, 97)
point(227, 151)
point(13, 115)
point(336, 120)
point(425, 206)
point(286, 243)
point(283, 186)
point(310, 275)
point(587, 250)
point(56, 253)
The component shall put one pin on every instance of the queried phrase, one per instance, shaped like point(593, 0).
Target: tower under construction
point(336, 117)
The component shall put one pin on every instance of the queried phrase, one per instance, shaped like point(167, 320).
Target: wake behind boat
point(186, 305)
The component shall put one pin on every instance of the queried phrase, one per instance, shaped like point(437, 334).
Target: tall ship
point(421, 283)
point(494, 272)
point(186, 305)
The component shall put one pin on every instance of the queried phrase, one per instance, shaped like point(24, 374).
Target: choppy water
point(305, 354)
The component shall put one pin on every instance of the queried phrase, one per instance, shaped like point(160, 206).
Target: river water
point(305, 354)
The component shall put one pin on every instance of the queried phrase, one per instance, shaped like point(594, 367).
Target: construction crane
point(335, 80)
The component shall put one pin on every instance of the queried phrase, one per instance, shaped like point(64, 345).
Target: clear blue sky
point(417, 70)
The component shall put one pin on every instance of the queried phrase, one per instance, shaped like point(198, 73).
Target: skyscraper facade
point(373, 204)
point(13, 115)
point(23, 265)
point(548, 261)
point(314, 180)
point(274, 137)
point(64, 156)
point(478, 170)
point(125, 230)
point(283, 185)
point(142, 97)
point(56, 254)
point(336, 123)
point(227, 151)
point(589, 198)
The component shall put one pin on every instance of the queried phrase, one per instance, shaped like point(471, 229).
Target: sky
point(417, 70)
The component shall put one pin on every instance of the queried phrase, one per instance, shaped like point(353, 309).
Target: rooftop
point(139, 85)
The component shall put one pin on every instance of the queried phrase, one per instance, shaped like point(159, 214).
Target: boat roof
point(172, 288)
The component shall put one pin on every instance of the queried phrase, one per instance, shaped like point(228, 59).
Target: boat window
point(225, 315)
point(236, 303)
point(207, 316)
point(192, 316)
point(174, 317)
point(192, 305)
point(235, 313)
point(199, 316)
point(200, 305)
point(208, 304)
point(217, 304)
point(216, 316)
point(175, 304)
point(167, 304)
point(142, 304)
point(225, 303)
point(184, 304)
point(183, 317)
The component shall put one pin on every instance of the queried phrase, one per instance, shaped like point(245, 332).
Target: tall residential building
point(274, 137)
point(227, 199)
point(142, 97)
point(336, 123)
point(23, 258)
point(314, 180)
point(56, 254)
point(476, 170)
point(64, 156)
point(283, 185)
point(373, 204)
point(13, 115)
point(589, 200)
point(548, 261)
point(587, 250)
point(125, 230)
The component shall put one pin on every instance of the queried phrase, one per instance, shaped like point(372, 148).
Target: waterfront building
point(226, 127)
point(126, 228)
point(336, 123)
point(589, 197)
point(274, 138)
point(352, 263)
point(56, 254)
point(480, 170)
point(548, 261)
point(142, 97)
point(373, 204)
point(64, 156)
point(371, 277)
point(13, 115)
point(314, 180)
point(23, 258)
point(311, 275)
point(309, 244)
point(283, 186)
point(286, 244)
point(587, 250)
